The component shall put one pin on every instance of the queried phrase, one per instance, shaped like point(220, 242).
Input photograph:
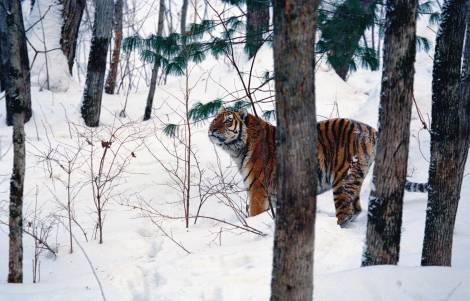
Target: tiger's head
point(228, 129)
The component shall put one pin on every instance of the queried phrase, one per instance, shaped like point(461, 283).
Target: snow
point(49, 65)
point(138, 262)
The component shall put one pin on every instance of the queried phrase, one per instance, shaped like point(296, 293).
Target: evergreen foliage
point(171, 130)
point(342, 25)
point(342, 29)
point(269, 115)
point(201, 111)
point(341, 34)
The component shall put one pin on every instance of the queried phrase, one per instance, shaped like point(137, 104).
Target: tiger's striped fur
point(345, 151)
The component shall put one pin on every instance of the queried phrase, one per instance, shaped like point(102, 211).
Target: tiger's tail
point(416, 187)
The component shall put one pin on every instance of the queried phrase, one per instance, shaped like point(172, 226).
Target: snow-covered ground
point(139, 262)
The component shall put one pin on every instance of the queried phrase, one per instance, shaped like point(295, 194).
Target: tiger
point(345, 152)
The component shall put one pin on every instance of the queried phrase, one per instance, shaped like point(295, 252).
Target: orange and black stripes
point(345, 151)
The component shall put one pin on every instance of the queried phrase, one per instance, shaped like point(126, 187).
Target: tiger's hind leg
point(346, 197)
point(343, 205)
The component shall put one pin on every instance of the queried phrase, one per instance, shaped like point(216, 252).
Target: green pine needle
point(171, 130)
point(201, 111)
point(423, 44)
point(269, 115)
point(239, 104)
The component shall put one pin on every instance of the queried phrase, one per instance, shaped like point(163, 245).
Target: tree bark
point(102, 25)
point(296, 140)
point(19, 95)
point(15, 257)
point(113, 68)
point(449, 135)
point(343, 32)
point(257, 23)
point(396, 98)
point(153, 80)
point(184, 13)
point(4, 53)
point(464, 107)
point(13, 38)
point(72, 14)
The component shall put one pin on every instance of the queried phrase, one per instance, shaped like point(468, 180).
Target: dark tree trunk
point(19, 95)
point(153, 80)
point(184, 13)
point(343, 32)
point(4, 53)
point(396, 98)
point(102, 25)
point(10, 78)
point(9, 34)
point(449, 135)
point(15, 262)
point(257, 23)
point(464, 106)
point(113, 68)
point(296, 140)
point(72, 14)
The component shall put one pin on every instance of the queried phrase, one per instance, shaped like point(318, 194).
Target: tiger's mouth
point(217, 139)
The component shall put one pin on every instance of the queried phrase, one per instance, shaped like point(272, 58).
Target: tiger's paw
point(346, 220)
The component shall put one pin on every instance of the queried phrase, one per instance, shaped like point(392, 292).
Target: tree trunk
point(296, 140)
point(117, 23)
point(9, 34)
point(4, 53)
point(396, 98)
point(257, 23)
point(72, 14)
point(19, 95)
point(102, 25)
point(449, 135)
point(464, 109)
point(153, 81)
point(184, 13)
point(15, 261)
point(342, 33)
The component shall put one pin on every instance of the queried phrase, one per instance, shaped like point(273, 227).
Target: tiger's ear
point(221, 110)
point(243, 113)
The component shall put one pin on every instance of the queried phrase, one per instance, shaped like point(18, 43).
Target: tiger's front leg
point(258, 199)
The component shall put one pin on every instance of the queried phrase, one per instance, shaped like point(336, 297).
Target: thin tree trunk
point(69, 205)
point(153, 80)
point(72, 14)
point(102, 25)
point(296, 140)
point(257, 23)
point(19, 94)
point(15, 261)
point(100, 222)
point(396, 98)
point(350, 20)
point(184, 13)
point(449, 135)
point(113, 68)
point(188, 148)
